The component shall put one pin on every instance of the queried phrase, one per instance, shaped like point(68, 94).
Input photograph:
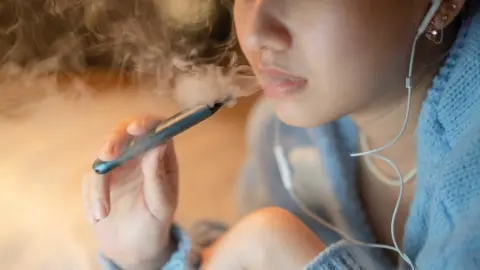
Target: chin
point(297, 115)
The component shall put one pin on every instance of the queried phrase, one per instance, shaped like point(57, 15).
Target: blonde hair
point(150, 43)
point(130, 36)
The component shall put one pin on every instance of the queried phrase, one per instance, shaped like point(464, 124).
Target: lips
point(279, 84)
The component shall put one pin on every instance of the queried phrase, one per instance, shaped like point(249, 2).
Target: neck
point(381, 123)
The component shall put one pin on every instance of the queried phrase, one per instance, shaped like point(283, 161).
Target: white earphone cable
point(408, 84)
point(286, 178)
point(287, 181)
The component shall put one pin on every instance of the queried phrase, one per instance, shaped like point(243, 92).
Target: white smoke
point(69, 71)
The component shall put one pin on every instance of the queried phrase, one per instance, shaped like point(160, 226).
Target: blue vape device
point(163, 132)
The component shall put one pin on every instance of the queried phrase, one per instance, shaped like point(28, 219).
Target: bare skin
point(270, 238)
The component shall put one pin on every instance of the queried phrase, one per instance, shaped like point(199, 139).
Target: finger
point(142, 125)
point(160, 188)
point(171, 163)
point(86, 198)
point(165, 163)
point(116, 142)
point(99, 196)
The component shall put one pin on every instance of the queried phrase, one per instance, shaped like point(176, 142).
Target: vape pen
point(162, 133)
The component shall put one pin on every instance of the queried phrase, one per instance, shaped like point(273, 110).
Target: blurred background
point(70, 70)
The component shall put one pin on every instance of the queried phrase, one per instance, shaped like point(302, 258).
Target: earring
point(434, 34)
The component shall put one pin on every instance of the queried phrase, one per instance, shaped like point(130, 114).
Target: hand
point(132, 207)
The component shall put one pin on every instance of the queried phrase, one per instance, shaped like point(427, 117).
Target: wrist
point(151, 258)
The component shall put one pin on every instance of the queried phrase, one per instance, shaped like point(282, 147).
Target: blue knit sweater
point(442, 230)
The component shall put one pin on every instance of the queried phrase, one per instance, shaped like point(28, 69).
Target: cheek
point(242, 36)
point(353, 55)
point(241, 22)
point(350, 60)
point(337, 64)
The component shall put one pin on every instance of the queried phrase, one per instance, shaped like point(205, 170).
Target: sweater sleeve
point(182, 258)
point(452, 240)
point(451, 251)
point(343, 255)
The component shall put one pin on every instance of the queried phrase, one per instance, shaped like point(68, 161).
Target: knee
point(272, 229)
point(254, 236)
point(272, 216)
point(266, 233)
point(272, 223)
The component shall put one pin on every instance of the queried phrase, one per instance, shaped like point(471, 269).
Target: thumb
point(160, 187)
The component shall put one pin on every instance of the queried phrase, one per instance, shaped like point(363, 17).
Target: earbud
point(429, 16)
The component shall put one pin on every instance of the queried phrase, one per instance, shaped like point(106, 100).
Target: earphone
point(286, 174)
point(429, 16)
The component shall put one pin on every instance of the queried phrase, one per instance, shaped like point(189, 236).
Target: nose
point(267, 31)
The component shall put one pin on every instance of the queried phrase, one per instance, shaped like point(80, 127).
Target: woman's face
point(319, 60)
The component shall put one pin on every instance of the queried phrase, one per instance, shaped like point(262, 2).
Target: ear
point(448, 11)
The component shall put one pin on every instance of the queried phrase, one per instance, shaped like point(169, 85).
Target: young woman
point(334, 72)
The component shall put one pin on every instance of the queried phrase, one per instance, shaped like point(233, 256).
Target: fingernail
point(134, 126)
point(108, 148)
point(99, 210)
point(111, 150)
point(92, 219)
